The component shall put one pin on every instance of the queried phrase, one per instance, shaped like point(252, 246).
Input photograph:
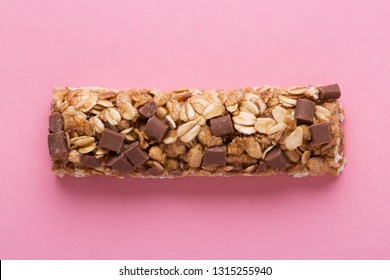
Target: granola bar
point(192, 132)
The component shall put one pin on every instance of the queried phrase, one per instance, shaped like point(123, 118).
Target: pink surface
point(207, 44)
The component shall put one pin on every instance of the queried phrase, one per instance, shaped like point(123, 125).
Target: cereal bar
point(192, 132)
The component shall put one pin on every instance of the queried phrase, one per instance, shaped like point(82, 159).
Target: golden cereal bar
point(192, 132)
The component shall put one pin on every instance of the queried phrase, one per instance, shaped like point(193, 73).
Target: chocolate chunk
point(121, 164)
point(156, 128)
point(56, 123)
point(136, 155)
point(215, 156)
point(276, 159)
point(148, 110)
point(320, 133)
point(222, 126)
point(329, 92)
point(58, 148)
point(112, 140)
point(304, 111)
point(262, 167)
point(91, 161)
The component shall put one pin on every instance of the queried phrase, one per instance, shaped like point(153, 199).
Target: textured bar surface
point(192, 132)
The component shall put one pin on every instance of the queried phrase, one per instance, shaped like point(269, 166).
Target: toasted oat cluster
point(192, 132)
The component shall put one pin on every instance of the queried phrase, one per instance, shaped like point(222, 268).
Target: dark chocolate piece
point(57, 145)
point(222, 126)
point(56, 122)
point(148, 110)
point(276, 159)
point(112, 140)
point(121, 164)
point(91, 161)
point(320, 133)
point(304, 111)
point(329, 92)
point(262, 167)
point(156, 128)
point(215, 156)
point(136, 155)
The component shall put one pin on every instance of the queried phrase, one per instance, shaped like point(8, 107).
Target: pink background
point(207, 44)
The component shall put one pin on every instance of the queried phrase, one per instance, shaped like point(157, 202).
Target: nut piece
point(305, 157)
point(262, 125)
point(175, 149)
point(161, 112)
point(236, 147)
point(74, 156)
point(294, 140)
point(241, 159)
point(161, 97)
point(195, 156)
point(252, 147)
point(172, 164)
point(157, 154)
point(207, 139)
